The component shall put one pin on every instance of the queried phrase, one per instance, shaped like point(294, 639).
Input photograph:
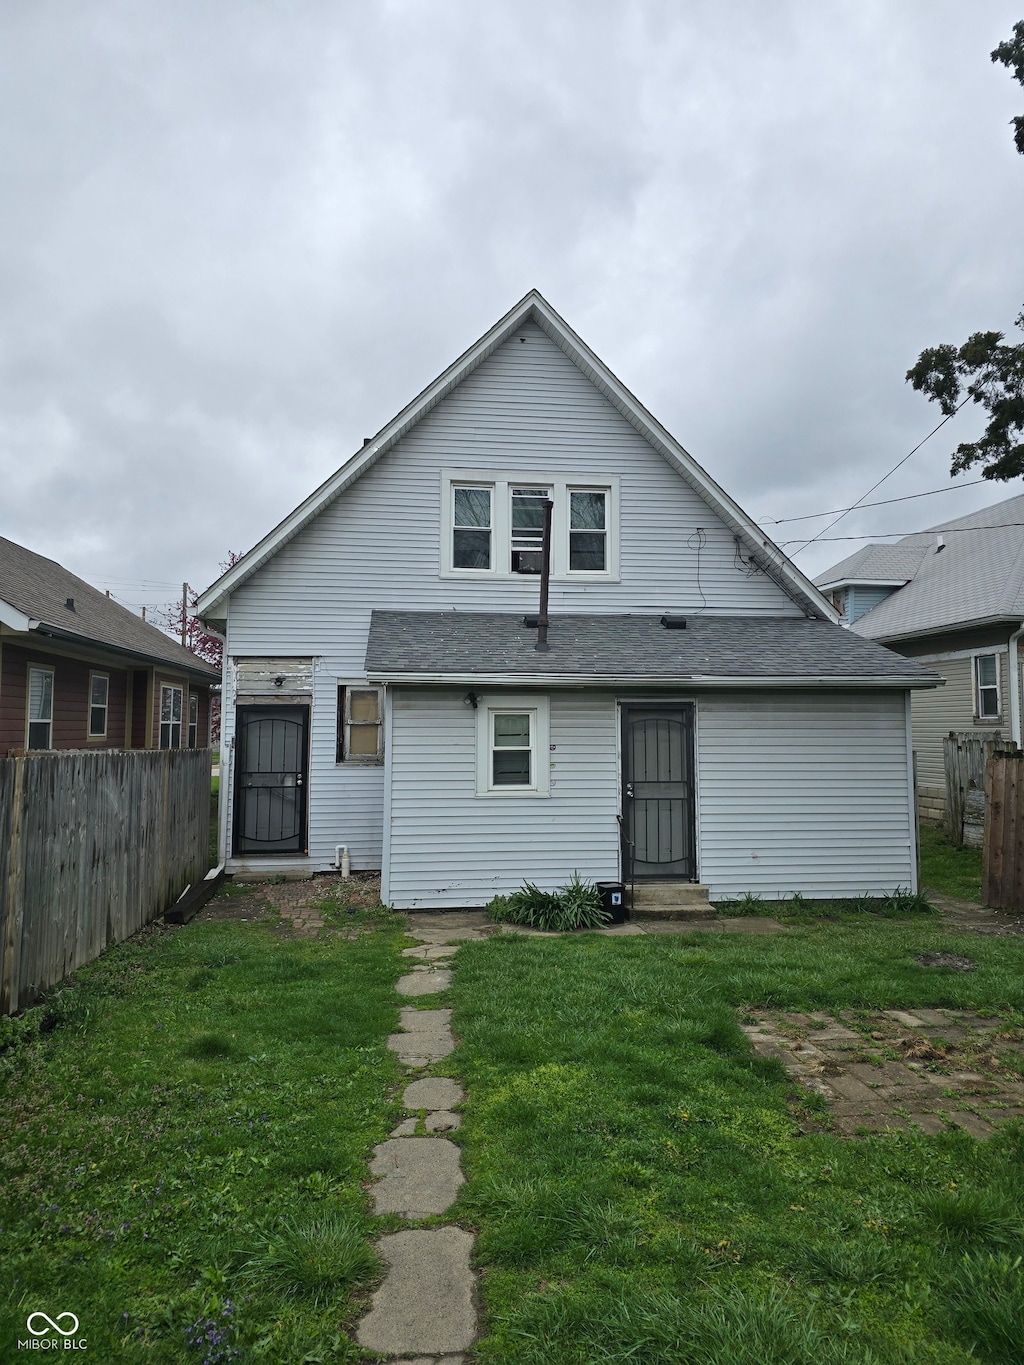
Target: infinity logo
point(40, 1331)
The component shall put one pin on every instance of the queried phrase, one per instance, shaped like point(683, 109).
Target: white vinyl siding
point(527, 411)
point(450, 848)
point(804, 792)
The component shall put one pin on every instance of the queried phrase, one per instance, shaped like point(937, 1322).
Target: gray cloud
point(235, 239)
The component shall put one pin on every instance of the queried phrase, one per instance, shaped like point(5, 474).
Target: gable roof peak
point(535, 308)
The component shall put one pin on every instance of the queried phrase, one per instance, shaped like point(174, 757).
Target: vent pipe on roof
point(940, 544)
point(70, 604)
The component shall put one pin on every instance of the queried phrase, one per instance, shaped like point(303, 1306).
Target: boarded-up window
point(360, 725)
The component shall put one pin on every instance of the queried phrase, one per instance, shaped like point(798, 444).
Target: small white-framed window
point(986, 687)
point(472, 528)
point(588, 530)
point(360, 724)
point(99, 700)
point(193, 720)
point(512, 746)
point(40, 708)
point(171, 702)
point(526, 520)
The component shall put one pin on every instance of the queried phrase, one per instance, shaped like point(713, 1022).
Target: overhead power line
point(899, 535)
point(899, 464)
point(809, 516)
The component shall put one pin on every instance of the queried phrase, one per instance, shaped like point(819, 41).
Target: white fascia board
point(532, 308)
point(701, 680)
point(14, 619)
point(863, 583)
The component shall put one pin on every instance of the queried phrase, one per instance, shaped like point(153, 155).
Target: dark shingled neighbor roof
point(460, 645)
point(40, 588)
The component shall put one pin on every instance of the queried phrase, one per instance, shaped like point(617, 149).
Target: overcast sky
point(237, 236)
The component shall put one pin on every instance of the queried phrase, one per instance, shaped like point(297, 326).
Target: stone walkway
point(425, 1311)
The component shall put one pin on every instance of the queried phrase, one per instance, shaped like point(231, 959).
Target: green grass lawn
point(183, 1146)
point(644, 1186)
point(952, 871)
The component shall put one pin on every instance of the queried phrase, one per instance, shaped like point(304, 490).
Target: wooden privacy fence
point(965, 757)
point(92, 847)
point(1002, 865)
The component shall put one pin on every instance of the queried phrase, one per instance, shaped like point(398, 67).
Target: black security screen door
point(270, 779)
point(658, 792)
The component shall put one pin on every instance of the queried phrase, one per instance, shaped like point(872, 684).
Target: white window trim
point(39, 668)
point(171, 687)
point(538, 710)
point(500, 481)
point(342, 757)
point(90, 732)
point(976, 687)
point(193, 725)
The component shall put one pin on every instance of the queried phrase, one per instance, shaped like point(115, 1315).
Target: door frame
point(625, 704)
point(303, 850)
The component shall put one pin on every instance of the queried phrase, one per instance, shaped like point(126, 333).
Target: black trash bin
point(613, 899)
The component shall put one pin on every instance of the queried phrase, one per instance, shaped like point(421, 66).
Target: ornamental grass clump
point(576, 906)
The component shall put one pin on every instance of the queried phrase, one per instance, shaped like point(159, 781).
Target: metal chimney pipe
point(545, 577)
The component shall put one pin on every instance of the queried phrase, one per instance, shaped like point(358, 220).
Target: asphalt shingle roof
point(877, 564)
point(461, 645)
point(977, 576)
point(39, 588)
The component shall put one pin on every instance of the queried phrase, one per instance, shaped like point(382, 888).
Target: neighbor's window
point(986, 686)
point(193, 719)
point(471, 528)
point(512, 747)
point(360, 724)
point(40, 708)
point(171, 699)
point(588, 530)
point(99, 695)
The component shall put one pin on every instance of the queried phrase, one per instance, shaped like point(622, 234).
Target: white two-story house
point(698, 716)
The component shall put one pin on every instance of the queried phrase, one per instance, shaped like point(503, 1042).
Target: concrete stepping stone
point(442, 1121)
point(431, 952)
point(427, 1037)
point(420, 1176)
point(425, 1305)
point(407, 1128)
point(433, 1092)
point(423, 982)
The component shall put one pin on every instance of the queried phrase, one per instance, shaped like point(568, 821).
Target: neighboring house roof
point(461, 647)
point(976, 578)
point(533, 308)
point(888, 565)
point(34, 592)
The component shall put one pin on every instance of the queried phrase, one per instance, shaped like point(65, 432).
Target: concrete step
point(671, 900)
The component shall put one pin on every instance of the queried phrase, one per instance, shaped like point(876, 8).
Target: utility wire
point(882, 480)
point(809, 516)
point(888, 535)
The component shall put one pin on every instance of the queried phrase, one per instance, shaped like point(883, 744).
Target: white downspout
point(1014, 670)
point(342, 862)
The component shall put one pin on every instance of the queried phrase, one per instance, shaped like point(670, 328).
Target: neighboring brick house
point(79, 671)
point(950, 597)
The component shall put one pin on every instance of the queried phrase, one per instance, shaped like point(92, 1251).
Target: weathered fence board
point(965, 757)
point(1002, 872)
point(92, 847)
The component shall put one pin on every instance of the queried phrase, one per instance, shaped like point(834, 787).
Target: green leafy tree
point(985, 369)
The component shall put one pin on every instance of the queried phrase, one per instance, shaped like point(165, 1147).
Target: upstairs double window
point(494, 527)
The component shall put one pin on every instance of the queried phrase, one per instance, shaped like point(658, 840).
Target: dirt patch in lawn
point(301, 907)
point(896, 1068)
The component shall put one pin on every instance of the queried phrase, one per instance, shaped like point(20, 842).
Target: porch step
point(671, 900)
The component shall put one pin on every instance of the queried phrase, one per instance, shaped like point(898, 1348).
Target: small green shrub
point(576, 906)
